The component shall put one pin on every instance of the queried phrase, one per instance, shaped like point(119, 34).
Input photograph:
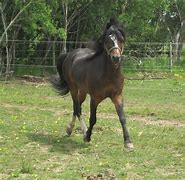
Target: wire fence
point(39, 58)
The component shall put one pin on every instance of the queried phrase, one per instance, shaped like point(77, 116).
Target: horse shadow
point(64, 144)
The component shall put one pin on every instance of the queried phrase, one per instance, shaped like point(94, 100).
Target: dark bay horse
point(96, 72)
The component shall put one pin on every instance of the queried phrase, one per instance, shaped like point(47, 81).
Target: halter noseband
point(112, 48)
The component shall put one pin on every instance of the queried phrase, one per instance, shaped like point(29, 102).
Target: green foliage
point(141, 20)
point(39, 22)
point(144, 21)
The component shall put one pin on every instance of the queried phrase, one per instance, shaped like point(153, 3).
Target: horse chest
point(107, 88)
point(112, 87)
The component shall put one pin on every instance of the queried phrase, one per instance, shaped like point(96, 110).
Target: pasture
point(34, 145)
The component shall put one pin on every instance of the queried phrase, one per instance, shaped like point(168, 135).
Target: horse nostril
point(116, 59)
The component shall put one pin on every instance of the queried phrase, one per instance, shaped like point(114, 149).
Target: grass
point(34, 145)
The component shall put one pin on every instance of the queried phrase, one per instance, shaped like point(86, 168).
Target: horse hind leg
point(78, 99)
point(71, 126)
point(81, 99)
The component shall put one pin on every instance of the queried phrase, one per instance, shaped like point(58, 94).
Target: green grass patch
point(34, 145)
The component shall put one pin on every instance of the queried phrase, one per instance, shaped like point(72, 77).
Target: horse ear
point(111, 22)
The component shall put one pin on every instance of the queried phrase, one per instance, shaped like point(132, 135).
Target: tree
point(97, 15)
point(173, 17)
point(83, 20)
point(5, 34)
point(72, 12)
point(141, 20)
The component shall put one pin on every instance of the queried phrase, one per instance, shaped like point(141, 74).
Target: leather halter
point(112, 48)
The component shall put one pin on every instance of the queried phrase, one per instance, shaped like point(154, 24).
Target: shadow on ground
point(62, 144)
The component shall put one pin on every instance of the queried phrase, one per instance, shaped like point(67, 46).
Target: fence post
point(54, 62)
point(171, 57)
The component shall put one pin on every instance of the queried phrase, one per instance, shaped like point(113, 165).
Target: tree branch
point(178, 11)
point(12, 21)
point(77, 12)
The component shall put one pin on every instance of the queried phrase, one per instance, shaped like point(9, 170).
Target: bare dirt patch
point(147, 120)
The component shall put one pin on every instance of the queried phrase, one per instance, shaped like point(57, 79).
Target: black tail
point(59, 83)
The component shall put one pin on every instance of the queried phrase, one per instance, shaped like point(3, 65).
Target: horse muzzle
point(116, 60)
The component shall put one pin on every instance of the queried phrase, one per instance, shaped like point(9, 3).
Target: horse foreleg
point(92, 120)
point(119, 108)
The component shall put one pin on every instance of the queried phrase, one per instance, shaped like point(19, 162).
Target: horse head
point(114, 38)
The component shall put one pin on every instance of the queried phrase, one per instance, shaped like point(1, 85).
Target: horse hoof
point(129, 146)
point(87, 140)
point(68, 131)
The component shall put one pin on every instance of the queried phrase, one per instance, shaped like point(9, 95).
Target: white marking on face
point(114, 40)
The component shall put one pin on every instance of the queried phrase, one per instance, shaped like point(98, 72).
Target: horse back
point(76, 65)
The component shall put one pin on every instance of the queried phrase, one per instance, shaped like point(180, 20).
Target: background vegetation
point(35, 32)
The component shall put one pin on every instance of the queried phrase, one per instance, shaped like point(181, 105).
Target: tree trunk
point(7, 64)
point(54, 57)
point(65, 9)
point(176, 49)
point(5, 34)
point(48, 48)
point(77, 34)
point(177, 40)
